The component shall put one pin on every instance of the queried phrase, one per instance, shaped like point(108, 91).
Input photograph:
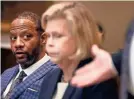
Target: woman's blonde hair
point(81, 22)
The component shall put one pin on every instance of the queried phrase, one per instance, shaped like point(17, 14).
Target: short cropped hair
point(82, 25)
point(32, 17)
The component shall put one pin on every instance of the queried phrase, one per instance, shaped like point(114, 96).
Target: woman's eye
point(57, 35)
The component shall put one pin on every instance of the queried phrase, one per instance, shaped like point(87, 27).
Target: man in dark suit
point(127, 71)
point(105, 67)
point(33, 62)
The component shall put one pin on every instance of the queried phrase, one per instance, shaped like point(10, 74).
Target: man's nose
point(19, 43)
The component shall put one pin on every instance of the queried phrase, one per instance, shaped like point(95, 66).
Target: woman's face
point(60, 43)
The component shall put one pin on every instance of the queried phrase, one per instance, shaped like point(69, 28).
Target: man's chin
point(21, 61)
point(25, 63)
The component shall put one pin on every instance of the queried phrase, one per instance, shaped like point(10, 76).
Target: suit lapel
point(49, 85)
point(69, 91)
point(5, 79)
point(39, 73)
point(73, 91)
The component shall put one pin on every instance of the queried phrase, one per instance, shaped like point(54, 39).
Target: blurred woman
point(71, 31)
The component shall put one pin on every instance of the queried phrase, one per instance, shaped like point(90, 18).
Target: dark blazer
point(121, 62)
point(105, 90)
point(30, 87)
point(117, 60)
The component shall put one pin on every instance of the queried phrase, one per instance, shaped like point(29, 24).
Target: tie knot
point(21, 75)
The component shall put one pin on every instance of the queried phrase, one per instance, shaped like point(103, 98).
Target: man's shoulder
point(118, 53)
point(46, 68)
point(7, 71)
point(117, 56)
point(117, 59)
point(50, 64)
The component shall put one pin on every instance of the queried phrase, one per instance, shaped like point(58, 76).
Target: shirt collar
point(35, 66)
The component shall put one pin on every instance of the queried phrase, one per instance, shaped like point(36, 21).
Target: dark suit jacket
point(105, 90)
point(30, 87)
point(126, 63)
point(121, 62)
point(117, 60)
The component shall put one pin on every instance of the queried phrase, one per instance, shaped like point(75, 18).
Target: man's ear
point(43, 39)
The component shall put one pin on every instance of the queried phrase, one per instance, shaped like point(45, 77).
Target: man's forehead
point(22, 23)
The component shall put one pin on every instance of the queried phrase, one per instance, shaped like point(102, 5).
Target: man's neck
point(36, 65)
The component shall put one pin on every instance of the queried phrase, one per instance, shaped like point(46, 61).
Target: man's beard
point(30, 59)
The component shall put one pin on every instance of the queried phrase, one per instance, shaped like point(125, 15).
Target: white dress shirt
point(61, 88)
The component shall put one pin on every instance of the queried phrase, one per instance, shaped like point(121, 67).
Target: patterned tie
point(15, 83)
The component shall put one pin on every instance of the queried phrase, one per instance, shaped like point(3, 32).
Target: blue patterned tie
point(15, 83)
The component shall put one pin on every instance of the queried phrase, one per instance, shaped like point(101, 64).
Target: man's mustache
point(29, 56)
point(19, 52)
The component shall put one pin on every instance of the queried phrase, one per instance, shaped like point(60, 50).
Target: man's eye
point(13, 38)
point(27, 36)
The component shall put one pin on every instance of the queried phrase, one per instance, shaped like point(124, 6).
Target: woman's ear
point(43, 38)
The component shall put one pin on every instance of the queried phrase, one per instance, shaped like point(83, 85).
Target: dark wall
point(12, 8)
point(7, 59)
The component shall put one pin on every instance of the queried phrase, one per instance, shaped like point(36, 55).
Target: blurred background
point(112, 15)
